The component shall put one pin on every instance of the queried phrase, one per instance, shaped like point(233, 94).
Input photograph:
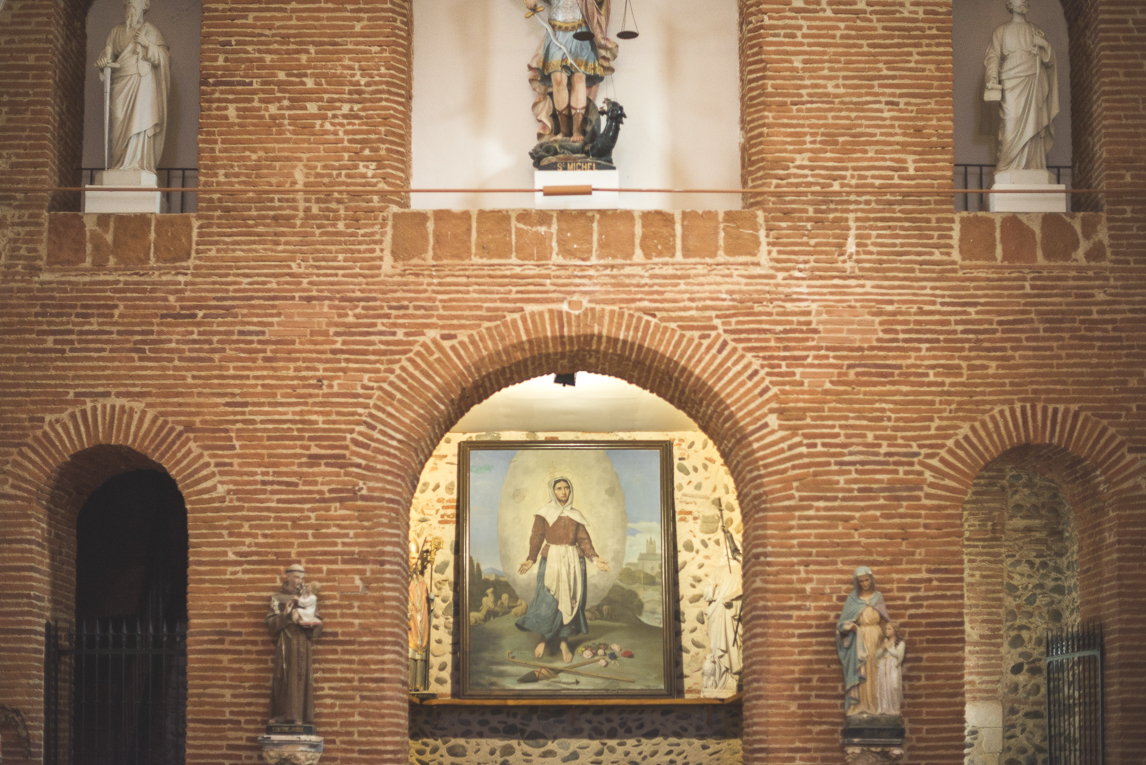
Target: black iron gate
point(128, 700)
point(1074, 696)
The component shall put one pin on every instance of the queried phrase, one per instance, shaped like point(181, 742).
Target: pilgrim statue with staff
point(135, 67)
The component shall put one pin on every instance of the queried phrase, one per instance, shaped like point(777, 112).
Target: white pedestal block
point(291, 750)
point(1018, 181)
point(142, 201)
point(598, 200)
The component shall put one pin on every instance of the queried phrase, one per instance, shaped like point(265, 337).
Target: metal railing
point(975, 177)
point(1074, 696)
point(128, 695)
point(168, 177)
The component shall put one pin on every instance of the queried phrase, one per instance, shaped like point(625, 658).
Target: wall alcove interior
point(1021, 552)
point(976, 121)
point(179, 22)
point(598, 407)
point(679, 83)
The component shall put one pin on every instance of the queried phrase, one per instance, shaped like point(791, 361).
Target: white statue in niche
point(724, 593)
point(138, 64)
point(1021, 76)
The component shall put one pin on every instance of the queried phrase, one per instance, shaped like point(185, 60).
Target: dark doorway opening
point(129, 671)
point(131, 550)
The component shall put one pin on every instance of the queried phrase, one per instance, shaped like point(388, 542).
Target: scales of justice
point(575, 135)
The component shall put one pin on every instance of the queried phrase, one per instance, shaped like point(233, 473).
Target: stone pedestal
point(873, 755)
point(1029, 181)
point(598, 200)
point(142, 201)
point(291, 745)
point(718, 693)
point(873, 740)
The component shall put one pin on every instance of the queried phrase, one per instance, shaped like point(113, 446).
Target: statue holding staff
point(136, 69)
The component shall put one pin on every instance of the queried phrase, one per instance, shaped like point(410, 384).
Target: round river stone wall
point(1041, 581)
point(1034, 567)
point(590, 735)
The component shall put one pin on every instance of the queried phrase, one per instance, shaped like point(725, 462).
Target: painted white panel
point(678, 82)
point(597, 403)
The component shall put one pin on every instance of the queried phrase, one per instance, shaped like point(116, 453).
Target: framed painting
point(567, 569)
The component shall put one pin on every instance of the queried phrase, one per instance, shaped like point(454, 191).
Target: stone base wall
point(1032, 238)
point(588, 736)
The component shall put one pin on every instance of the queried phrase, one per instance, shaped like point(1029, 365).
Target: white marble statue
point(139, 64)
point(889, 685)
point(724, 593)
point(1021, 76)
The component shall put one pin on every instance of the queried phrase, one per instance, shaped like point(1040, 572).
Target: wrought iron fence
point(976, 177)
point(1074, 696)
point(168, 177)
point(128, 693)
point(52, 652)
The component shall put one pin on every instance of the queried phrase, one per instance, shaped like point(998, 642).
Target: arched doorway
point(526, 418)
point(709, 378)
point(129, 690)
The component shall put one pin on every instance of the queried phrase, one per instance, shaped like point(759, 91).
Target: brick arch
point(722, 389)
point(41, 491)
point(1091, 440)
point(1106, 486)
point(54, 472)
point(116, 424)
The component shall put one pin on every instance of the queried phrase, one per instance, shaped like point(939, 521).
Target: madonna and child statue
point(871, 652)
point(565, 73)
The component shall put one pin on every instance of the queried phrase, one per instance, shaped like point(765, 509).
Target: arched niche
point(710, 379)
point(597, 408)
point(1100, 479)
point(67, 499)
point(977, 121)
point(1021, 552)
point(179, 22)
point(678, 82)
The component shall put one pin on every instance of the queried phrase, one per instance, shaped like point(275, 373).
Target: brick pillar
point(847, 96)
point(41, 130)
point(303, 94)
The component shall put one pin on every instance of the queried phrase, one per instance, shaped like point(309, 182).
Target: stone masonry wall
point(1022, 580)
point(1041, 581)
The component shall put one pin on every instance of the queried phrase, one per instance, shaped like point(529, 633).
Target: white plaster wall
point(179, 22)
point(976, 122)
point(678, 82)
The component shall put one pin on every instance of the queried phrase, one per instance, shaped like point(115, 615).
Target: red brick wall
point(303, 94)
point(1087, 102)
point(297, 371)
point(983, 546)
